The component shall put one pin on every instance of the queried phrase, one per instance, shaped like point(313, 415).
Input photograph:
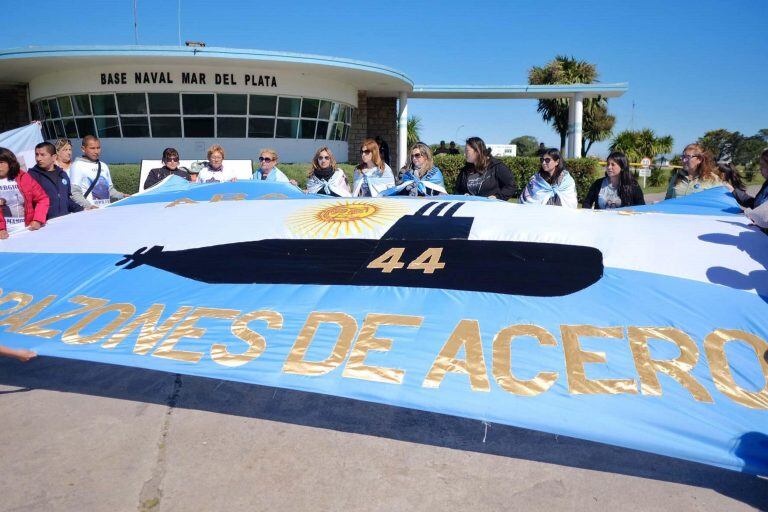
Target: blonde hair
point(371, 145)
point(62, 143)
point(215, 149)
point(316, 162)
point(271, 152)
point(429, 161)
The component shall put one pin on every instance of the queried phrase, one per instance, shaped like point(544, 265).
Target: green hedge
point(583, 170)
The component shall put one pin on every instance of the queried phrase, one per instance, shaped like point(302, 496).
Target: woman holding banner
point(23, 201)
point(484, 175)
point(325, 178)
point(420, 176)
point(617, 189)
point(699, 173)
point(552, 185)
point(372, 176)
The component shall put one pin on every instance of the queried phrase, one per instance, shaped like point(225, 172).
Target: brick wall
point(374, 116)
point(14, 112)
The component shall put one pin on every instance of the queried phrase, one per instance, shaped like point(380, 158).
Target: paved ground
point(84, 436)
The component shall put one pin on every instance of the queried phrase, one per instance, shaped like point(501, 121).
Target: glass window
point(307, 129)
point(164, 103)
point(107, 126)
point(70, 128)
point(59, 129)
point(198, 126)
point(262, 105)
point(103, 104)
point(232, 104)
point(37, 110)
point(85, 126)
point(166, 126)
point(325, 109)
point(65, 106)
point(231, 126)
point(346, 133)
point(82, 105)
point(50, 133)
point(46, 109)
point(338, 131)
point(197, 104)
point(131, 103)
point(54, 107)
point(287, 128)
point(335, 112)
point(322, 130)
point(135, 126)
point(309, 108)
point(261, 127)
point(289, 107)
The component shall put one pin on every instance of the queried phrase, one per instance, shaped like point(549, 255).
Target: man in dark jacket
point(54, 181)
point(170, 166)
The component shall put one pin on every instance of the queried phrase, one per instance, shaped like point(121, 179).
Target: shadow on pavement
point(353, 416)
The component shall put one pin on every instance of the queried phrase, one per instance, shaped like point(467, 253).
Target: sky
point(691, 65)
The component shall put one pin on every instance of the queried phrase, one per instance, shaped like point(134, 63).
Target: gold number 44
point(428, 261)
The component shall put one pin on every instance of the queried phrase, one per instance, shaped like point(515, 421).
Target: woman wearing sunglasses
point(420, 176)
point(170, 167)
point(268, 170)
point(372, 176)
point(484, 175)
point(552, 185)
point(617, 189)
point(699, 173)
point(325, 178)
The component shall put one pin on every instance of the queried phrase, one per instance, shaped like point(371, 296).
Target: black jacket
point(636, 198)
point(498, 181)
point(57, 186)
point(155, 176)
point(746, 200)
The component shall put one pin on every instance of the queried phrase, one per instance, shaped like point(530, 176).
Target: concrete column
point(571, 123)
point(402, 130)
point(578, 111)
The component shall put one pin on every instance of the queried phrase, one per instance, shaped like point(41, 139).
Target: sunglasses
point(365, 151)
point(685, 158)
point(265, 159)
point(417, 155)
point(323, 158)
point(545, 160)
point(172, 159)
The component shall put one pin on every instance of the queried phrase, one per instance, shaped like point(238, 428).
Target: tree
point(637, 144)
point(598, 126)
point(721, 143)
point(568, 70)
point(526, 145)
point(414, 126)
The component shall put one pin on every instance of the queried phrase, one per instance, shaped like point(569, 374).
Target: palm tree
point(638, 144)
point(568, 70)
point(414, 125)
point(598, 126)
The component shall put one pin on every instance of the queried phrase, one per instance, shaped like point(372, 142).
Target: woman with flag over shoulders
point(552, 185)
point(420, 176)
point(325, 178)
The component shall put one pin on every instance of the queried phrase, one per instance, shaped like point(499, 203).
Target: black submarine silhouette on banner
point(423, 250)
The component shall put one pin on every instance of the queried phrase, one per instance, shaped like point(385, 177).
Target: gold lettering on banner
point(575, 358)
point(16, 320)
point(183, 200)
point(256, 342)
point(678, 368)
point(72, 334)
point(367, 341)
point(149, 334)
point(36, 328)
point(467, 335)
point(295, 362)
point(228, 197)
point(714, 346)
point(21, 299)
point(187, 329)
point(502, 361)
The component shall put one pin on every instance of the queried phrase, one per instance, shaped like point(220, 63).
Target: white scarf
point(538, 191)
point(335, 185)
point(376, 179)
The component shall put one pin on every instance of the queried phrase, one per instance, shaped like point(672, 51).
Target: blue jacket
point(56, 184)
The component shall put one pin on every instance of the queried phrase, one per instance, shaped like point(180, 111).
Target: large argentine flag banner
point(643, 329)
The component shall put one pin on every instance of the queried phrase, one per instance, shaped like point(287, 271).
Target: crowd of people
point(58, 186)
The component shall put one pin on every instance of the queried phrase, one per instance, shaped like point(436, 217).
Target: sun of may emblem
point(345, 218)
